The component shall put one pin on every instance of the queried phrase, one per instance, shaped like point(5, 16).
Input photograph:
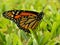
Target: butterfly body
point(24, 19)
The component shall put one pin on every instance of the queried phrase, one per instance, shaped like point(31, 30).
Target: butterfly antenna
point(42, 11)
point(44, 7)
point(41, 14)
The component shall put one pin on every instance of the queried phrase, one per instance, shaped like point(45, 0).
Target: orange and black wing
point(28, 20)
point(24, 19)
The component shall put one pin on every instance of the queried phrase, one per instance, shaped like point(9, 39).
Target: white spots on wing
point(12, 18)
point(13, 12)
point(17, 12)
point(12, 15)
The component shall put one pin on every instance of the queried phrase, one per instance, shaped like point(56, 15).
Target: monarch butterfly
point(24, 19)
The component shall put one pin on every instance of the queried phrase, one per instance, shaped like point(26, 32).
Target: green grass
point(46, 33)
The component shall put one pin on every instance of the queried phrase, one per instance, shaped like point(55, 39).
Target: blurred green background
point(46, 33)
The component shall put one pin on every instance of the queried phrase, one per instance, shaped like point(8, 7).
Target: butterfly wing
point(24, 19)
point(28, 20)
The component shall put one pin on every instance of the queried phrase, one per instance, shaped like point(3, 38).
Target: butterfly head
point(8, 15)
point(40, 15)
